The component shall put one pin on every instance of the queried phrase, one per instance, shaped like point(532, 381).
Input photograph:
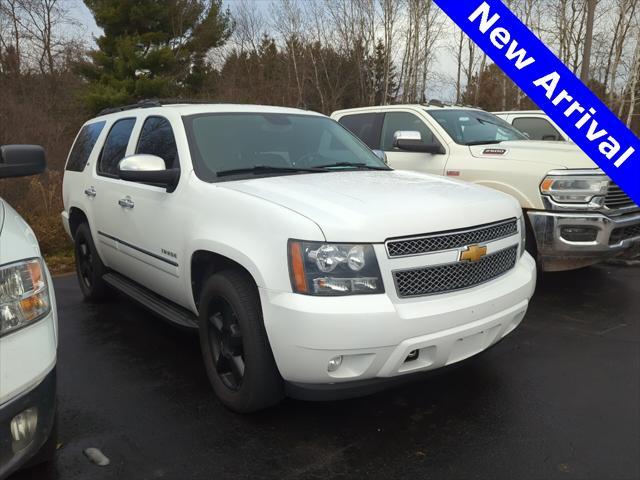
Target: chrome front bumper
point(558, 249)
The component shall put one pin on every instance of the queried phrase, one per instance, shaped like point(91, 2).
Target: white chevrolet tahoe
point(28, 330)
point(575, 215)
point(309, 267)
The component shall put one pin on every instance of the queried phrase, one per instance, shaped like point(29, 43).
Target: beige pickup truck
point(576, 216)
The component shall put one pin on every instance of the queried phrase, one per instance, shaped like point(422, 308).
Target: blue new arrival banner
point(552, 86)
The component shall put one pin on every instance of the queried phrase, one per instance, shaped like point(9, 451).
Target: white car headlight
point(319, 268)
point(575, 188)
point(24, 295)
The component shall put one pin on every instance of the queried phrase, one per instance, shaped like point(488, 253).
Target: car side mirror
point(381, 155)
point(145, 168)
point(411, 141)
point(550, 137)
point(21, 160)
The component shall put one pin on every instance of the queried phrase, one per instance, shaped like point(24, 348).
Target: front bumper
point(374, 334)
point(43, 398)
point(612, 236)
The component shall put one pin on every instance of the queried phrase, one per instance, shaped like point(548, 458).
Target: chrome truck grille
point(454, 276)
point(616, 198)
point(451, 239)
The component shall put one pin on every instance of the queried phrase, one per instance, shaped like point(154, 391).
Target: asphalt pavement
point(558, 398)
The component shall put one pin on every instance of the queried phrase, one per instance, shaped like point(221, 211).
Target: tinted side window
point(115, 146)
point(156, 138)
point(537, 128)
point(83, 146)
point(395, 121)
point(365, 126)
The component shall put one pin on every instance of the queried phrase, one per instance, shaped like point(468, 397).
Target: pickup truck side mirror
point(148, 169)
point(21, 160)
point(411, 141)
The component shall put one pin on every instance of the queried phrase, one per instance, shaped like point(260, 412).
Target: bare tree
point(588, 40)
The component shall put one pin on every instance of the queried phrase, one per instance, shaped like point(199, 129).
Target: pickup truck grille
point(616, 198)
point(452, 239)
point(454, 276)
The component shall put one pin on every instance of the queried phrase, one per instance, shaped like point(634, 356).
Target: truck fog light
point(23, 428)
point(334, 363)
point(579, 234)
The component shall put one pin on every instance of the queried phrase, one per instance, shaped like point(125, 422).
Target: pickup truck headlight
point(575, 188)
point(24, 295)
point(319, 268)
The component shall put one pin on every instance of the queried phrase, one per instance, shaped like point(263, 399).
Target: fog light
point(23, 428)
point(579, 234)
point(334, 363)
point(413, 355)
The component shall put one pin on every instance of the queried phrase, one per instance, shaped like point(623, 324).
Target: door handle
point(126, 203)
point(90, 192)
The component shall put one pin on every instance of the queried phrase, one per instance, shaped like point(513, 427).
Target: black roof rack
point(150, 103)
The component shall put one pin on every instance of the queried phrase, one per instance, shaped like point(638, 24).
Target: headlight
point(575, 188)
point(523, 235)
point(319, 268)
point(24, 295)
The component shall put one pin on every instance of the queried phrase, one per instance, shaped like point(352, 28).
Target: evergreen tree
point(152, 48)
point(379, 66)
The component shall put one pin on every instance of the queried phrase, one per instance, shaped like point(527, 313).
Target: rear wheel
point(89, 267)
point(234, 343)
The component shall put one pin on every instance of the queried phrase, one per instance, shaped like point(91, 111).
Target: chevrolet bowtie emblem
point(473, 253)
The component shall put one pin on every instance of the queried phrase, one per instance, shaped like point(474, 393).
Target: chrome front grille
point(454, 276)
point(616, 198)
point(451, 239)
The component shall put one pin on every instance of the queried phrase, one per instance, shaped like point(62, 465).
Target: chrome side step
point(152, 301)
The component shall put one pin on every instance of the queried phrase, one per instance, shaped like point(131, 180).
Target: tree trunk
point(588, 40)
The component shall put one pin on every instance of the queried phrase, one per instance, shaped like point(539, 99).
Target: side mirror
point(148, 169)
point(21, 160)
point(381, 155)
point(550, 137)
point(411, 141)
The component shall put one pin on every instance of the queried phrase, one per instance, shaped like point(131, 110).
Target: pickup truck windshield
point(226, 146)
point(475, 127)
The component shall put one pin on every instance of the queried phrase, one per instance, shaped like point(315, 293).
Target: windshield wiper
point(264, 169)
point(350, 164)
point(483, 142)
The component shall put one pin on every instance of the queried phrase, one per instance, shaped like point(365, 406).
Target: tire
point(235, 349)
point(89, 267)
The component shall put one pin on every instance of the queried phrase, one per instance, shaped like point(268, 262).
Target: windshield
point(225, 146)
point(475, 127)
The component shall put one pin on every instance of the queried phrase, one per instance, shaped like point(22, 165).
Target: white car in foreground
point(575, 215)
point(28, 330)
point(309, 267)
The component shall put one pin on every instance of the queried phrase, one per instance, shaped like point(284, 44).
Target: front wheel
point(235, 348)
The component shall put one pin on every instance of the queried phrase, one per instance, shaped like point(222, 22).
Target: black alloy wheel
point(225, 337)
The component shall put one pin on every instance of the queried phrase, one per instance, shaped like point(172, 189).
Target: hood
point(554, 154)
point(371, 206)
